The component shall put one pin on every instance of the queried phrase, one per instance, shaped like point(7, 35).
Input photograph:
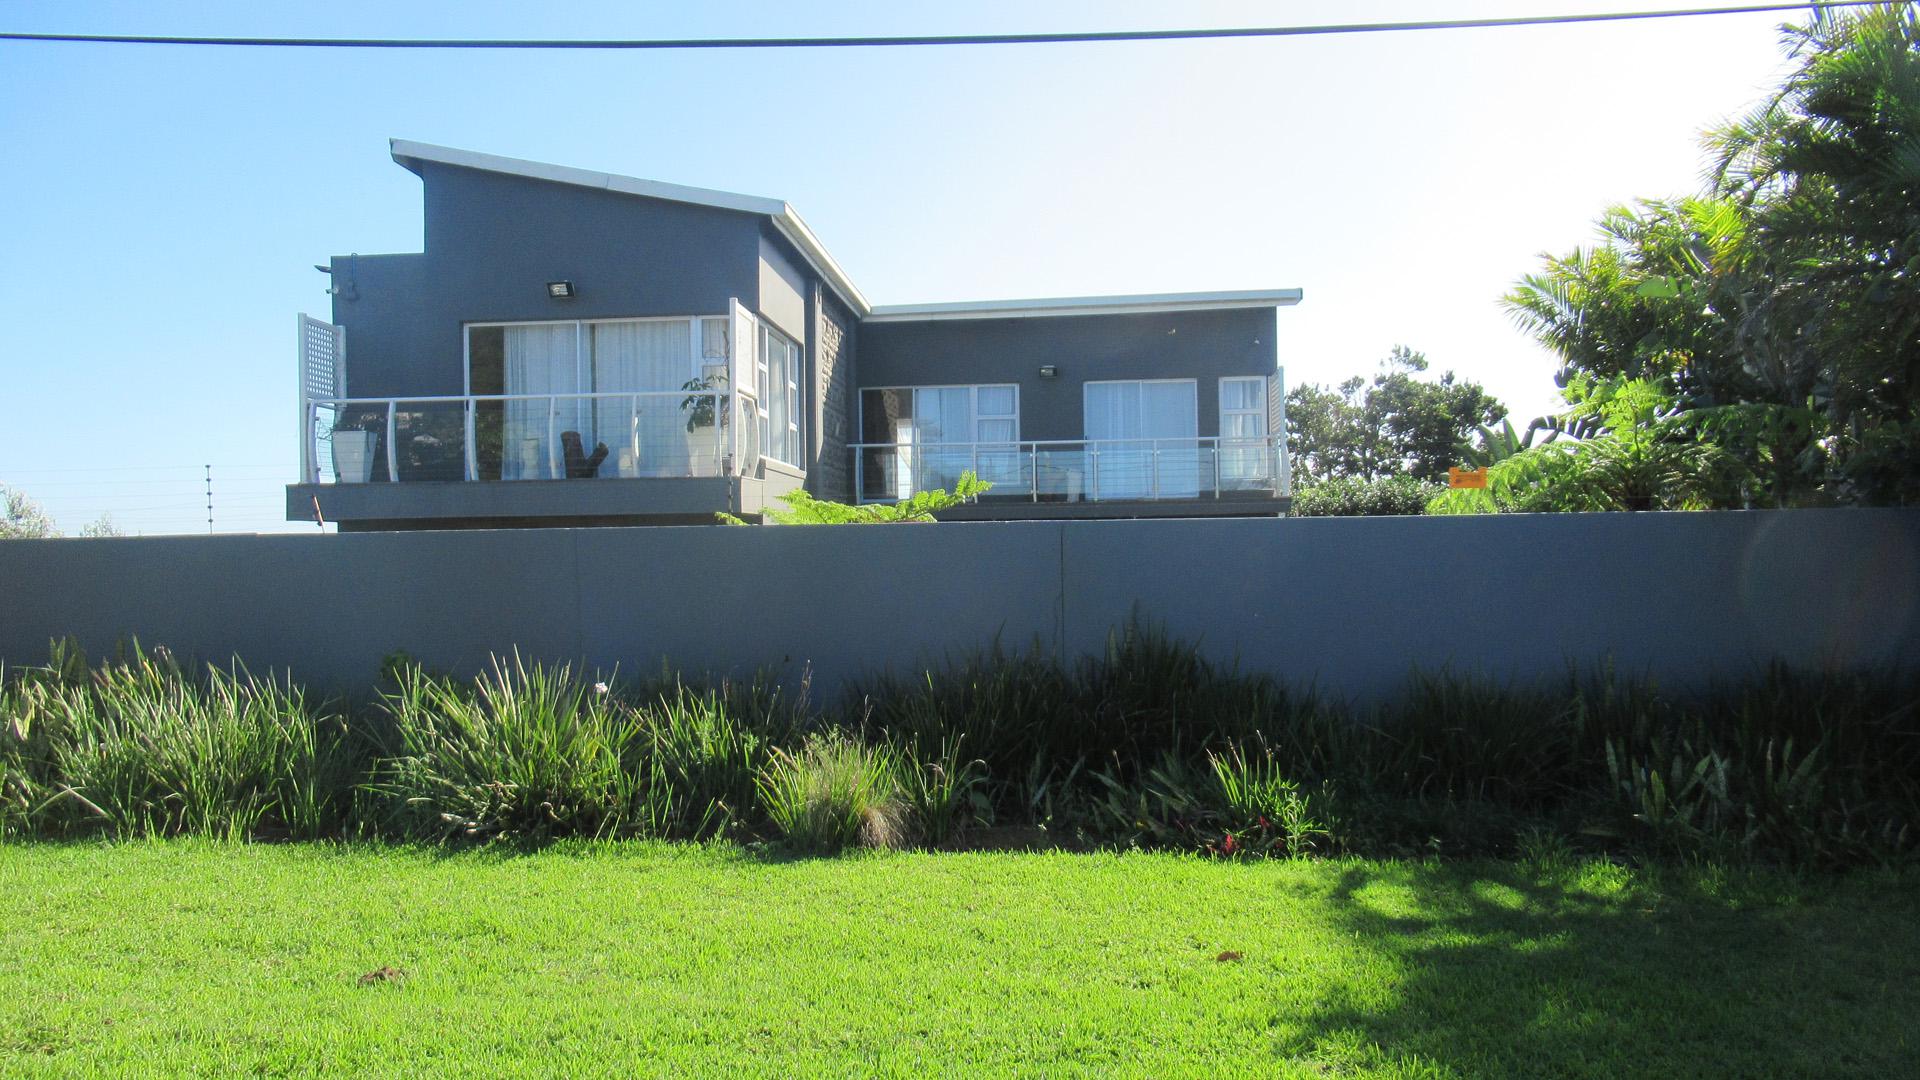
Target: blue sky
point(162, 207)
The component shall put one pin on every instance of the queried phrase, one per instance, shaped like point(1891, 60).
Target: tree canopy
point(1396, 425)
point(1777, 313)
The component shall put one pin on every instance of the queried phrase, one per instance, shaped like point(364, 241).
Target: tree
point(21, 518)
point(1397, 425)
point(1781, 306)
point(101, 526)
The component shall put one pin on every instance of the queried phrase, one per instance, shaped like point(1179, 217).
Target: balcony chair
point(580, 464)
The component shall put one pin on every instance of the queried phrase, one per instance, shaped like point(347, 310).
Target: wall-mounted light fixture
point(560, 290)
point(1049, 371)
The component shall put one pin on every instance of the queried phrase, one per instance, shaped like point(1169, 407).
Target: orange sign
point(1466, 478)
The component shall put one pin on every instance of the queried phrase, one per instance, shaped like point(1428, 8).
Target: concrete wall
point(1201, 345)
point(1350, 604)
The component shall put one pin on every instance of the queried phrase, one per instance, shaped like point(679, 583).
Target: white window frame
point(796, 360)
point(973, 407)
point(1259, 411)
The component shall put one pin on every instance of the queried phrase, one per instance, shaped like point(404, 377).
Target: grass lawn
point(181, 958)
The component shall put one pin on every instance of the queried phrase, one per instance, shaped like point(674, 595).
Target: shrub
point(1354, 497)
point(140, 748)
point(1149, 743)
point(524, 751)
point(1265, 811)
point(702, 760)
point(835, 792)
point(945, 794)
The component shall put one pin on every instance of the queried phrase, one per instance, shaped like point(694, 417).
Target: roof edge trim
point(1141, 304)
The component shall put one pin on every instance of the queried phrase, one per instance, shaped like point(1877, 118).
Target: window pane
point(996, 431)
point(1241, 426)
point(943, 414)
point(1241, 394)
point(640, 356)
point(713, 339)
point(996, 400)
point(1166, 411)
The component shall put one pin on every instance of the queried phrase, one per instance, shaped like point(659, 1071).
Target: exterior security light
point(560, 290)
point(1049, 371)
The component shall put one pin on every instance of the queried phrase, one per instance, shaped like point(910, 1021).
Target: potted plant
point(352, 455)
point(704, 418)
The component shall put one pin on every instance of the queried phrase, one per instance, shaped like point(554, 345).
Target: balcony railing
point(1056, 470)
point(525, 437)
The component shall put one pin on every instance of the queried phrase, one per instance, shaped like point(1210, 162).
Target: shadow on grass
point(1498, 971)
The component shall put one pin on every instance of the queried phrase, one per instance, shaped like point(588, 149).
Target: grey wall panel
point(1202, 345)
point(1349, 604)
point(1354, 604)
point(840, 601)
point(492, 244)
point(783, 291)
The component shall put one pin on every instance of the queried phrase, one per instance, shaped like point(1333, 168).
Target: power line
point(940, 39)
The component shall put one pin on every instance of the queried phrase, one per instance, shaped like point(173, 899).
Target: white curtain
point(942, 415)
point(539, 360)
point(1143, 410)
point(645, 436)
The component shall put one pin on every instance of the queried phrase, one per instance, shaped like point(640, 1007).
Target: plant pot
point(352, 456)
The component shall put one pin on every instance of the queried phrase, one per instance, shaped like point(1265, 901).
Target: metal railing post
point(393, 452)
point(473, 444)
point(1153, 473)
point(1216, 470)
point(1093, 472)
point(1033, 457)
point(553, 439)
point(633, 436)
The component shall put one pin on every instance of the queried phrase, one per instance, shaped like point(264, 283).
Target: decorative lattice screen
point(323, 367)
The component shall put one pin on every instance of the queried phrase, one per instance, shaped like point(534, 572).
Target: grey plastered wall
point(1351, 605)
point(1200, 345)
point(492, 244)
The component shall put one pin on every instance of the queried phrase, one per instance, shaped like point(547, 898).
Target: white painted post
point(473, 457)
point(393, 451)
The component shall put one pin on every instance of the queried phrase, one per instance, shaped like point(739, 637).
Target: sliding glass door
point(1142, 438)
point(642, 366)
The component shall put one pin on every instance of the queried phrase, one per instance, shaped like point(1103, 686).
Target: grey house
point(576, 348)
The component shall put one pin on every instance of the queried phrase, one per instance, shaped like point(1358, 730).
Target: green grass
point(187, 957)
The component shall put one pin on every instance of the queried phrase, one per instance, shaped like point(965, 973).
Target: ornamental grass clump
point(835, 792)
point(702, 758)
point(523, 752)
point(143, 748)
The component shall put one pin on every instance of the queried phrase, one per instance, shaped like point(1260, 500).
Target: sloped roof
point(410, 154)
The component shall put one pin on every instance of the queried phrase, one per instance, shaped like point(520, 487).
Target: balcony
point(522, 437)
point(659, 454)
point(1233, 474)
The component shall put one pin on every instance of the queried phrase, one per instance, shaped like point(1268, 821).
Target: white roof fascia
point(801, 237)
point(785, 220)
point(1087, 305)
